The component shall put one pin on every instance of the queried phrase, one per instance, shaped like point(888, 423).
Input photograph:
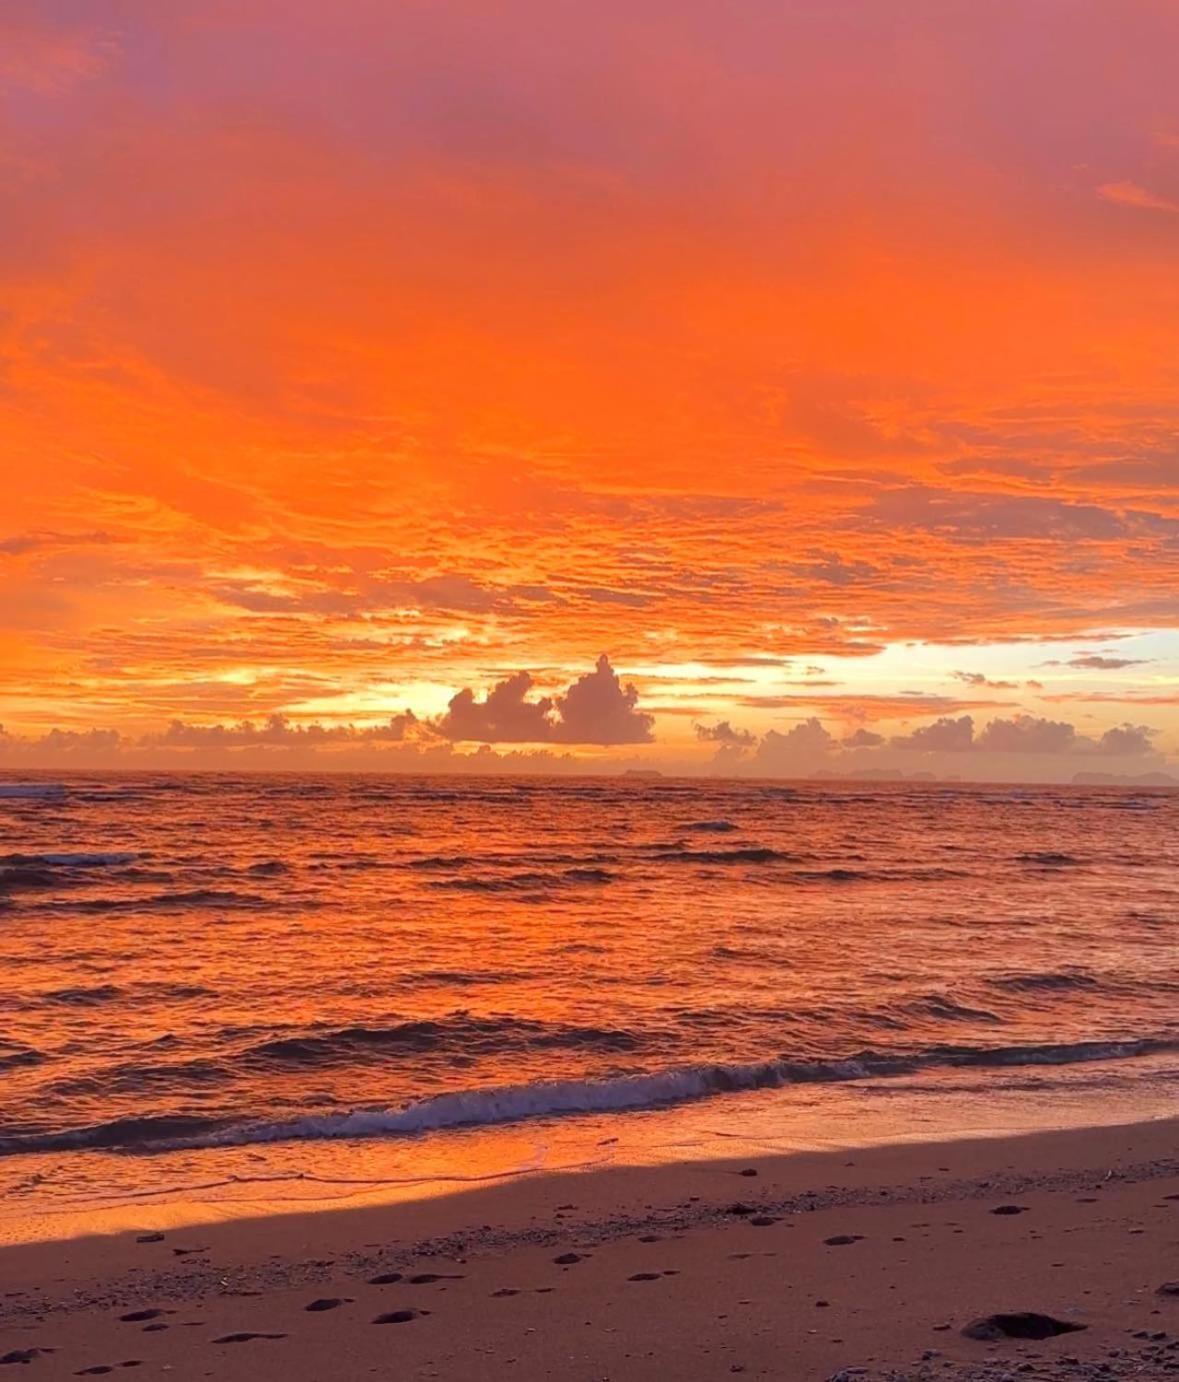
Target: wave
point(472, 1036)
point(82, 997)
point(528, 882)
point(1049, 980)
point(944, 1009)
point(32, 791)
point(168, 902)
point(121, 1134)
point(716, 827)
point(752, 854)
point(517, 1103)
point(13, 1057)
point(100, 859)
point(1048, 859)
point(268, 868)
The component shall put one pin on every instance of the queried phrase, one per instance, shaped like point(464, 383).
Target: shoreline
point(47, 1196)
point(917, 1214)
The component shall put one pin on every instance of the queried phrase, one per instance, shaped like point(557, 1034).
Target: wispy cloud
point(1131, 194)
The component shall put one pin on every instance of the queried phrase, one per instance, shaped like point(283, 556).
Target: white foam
point(515, 1103)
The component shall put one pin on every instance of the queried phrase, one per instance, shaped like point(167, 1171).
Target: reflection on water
point(195, 961)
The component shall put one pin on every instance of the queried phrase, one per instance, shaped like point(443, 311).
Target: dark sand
point(866, 1264)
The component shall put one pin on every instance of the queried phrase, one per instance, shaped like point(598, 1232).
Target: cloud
point(945, 735)
point(724, 733)
point(1131, 194)
point(1024, 735)
point(278, 732)
point(45, 61)
point(869, 706)
point(1021, 747)
point(503, 716)
point(356, 595)
point(1127, 739)
point(1027, 734)
point(1098, 662)
point(978, 679)
point(595, 709)
point(23, 543)
point(598, 709)
point(68, 743)
point(801, 749)
point(863, 739)
point(588, 372)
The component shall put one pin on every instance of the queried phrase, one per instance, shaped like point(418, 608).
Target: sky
point(769, 387)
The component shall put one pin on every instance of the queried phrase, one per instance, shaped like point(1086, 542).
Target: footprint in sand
point(327, 1303)
point(644, 1276)
point(843, 1240)
point(567, 1259)
point(26, 1355)
point(385, 1279)
point(428, 1278)
point(399, 1316)
point(245, 1336)
point(137, 1316)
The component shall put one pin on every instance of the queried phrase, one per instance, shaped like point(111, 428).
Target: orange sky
point(807, 360)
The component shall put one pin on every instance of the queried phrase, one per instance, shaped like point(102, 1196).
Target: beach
point(867, 1263)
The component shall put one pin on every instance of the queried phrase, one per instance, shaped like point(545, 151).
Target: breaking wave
point(472, 1108)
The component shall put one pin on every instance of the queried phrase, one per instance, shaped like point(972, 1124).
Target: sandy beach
point(866, 1264)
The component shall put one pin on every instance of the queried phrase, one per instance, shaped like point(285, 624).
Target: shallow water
point(193, 961)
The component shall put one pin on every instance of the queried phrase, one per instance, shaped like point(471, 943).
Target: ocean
point(215, 980)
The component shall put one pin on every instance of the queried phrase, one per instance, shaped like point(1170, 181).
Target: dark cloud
point(361, 595)
point(800, 749)
point(1127, 739)
point(863, 739)
point(981, 516)
point(278, 732)
point(602, 595)
point(978, 679)
point(23, 543)
point(1099, 662)
point(1027, 734)
point(503, 716)
point(1133, 472)
point(945, 735)
point(724, 733)
point(76, 743)
point(596, 709)
point(829, 568)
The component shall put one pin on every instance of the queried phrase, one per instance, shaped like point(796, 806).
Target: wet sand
point(866, 1264)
